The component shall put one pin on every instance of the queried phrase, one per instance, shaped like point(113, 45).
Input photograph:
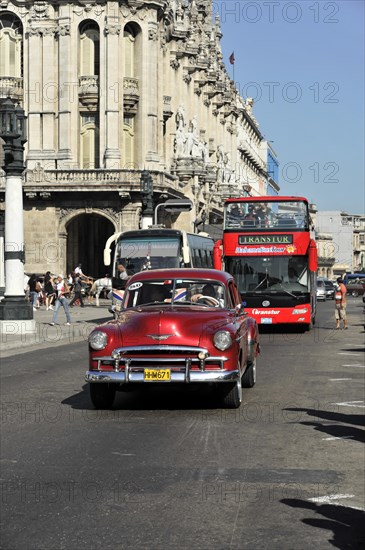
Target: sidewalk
point(83, 321)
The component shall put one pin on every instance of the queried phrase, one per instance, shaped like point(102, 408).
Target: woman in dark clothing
point(78, 292)
point(33, 284)
point(49, 290)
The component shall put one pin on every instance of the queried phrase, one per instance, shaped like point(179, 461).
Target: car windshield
point(175, 292)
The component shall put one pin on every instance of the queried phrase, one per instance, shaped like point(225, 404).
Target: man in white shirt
point(78, 270)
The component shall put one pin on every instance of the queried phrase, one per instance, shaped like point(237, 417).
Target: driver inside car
point(208, 296)
point(156, 294)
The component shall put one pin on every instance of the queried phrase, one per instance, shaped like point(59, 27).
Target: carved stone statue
point(227, 168)
point(220, 164)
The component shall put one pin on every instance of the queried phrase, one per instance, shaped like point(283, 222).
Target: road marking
point(337, 379)
point(356, 366)
point(329, 498)
point(350, 404)
point(334, 438)
point(122, 454)
point(347, 353)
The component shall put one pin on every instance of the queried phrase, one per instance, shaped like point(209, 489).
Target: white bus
point(158, 248)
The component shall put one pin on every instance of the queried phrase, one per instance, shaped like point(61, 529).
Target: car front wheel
point(102, 395)
point(232, 395)
point(249, 376)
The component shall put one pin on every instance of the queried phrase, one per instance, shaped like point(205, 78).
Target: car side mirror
point(239, 309)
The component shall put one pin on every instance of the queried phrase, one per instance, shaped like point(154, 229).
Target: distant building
point(348, 232)
point(269, 156)
point(325, 247)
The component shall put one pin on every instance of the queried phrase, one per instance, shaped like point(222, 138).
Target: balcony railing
point(11, 86)
point(89, 90)
point(73, 180)
point(130, 94)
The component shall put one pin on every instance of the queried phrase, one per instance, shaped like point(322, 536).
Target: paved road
point(171, 471)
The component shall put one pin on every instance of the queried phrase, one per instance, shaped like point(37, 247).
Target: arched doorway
point(86, 238)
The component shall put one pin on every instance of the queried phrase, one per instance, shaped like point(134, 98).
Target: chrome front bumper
point(187, 364)
point(176, 377)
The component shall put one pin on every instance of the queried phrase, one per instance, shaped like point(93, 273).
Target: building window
point(129, 47)
point(89, 141)
point(89, 62)
point(128, 134)
point(11, 46)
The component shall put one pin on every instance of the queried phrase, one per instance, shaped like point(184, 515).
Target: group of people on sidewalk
point(54, 291)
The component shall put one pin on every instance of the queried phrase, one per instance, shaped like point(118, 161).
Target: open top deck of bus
point(267, 213)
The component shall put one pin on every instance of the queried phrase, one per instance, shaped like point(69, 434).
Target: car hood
point(191, 326)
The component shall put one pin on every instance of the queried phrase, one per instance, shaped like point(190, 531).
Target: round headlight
point(222, 340)
point(98, 340)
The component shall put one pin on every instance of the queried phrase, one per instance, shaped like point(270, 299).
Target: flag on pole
point(231, 58)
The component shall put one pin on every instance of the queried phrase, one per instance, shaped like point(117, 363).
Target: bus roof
point(151, 232)
point(159, 232)
point(275, 198)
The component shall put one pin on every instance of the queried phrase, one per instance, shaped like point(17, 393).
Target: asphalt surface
point(169, 469)
point(14, 338)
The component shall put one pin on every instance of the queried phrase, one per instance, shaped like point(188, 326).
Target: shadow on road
point(154, 399)
point(335, 430)
point(346, 523)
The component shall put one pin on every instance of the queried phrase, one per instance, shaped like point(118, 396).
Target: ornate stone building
point(112, 88)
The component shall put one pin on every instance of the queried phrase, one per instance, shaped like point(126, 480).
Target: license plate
point(157, 375)
point(266, 320)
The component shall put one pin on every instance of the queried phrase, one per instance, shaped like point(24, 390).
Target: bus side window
point(198, 258)
point(204, 258)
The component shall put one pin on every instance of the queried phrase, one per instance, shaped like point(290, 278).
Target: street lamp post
point(13, 309)
point(147, 199)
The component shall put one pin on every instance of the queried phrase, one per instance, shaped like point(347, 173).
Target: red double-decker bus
point(267, 246)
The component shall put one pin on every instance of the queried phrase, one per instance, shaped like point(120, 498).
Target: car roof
point(182, 273)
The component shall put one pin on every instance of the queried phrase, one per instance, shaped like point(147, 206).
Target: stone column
point(33, 89)
point(49, 98)
point(16, 315)
point(114, 94)
point(68, 93)
point(150, 76)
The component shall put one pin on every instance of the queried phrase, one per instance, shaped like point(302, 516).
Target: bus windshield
point(265, 274)
point(266, 215)
point(148, 253)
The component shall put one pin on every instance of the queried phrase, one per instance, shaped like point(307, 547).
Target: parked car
point(355, 287)
point(330, 289)
point(321, 290)
point(176, 326)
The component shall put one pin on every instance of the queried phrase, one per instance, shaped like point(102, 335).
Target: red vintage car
point(177, 326)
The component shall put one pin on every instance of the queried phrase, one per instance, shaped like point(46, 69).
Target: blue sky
point(303, 63)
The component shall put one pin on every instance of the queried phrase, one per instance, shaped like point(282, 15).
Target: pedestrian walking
point(62, 290)
point(34, 288)
point(49, 290)
point(77, 292)
point(340, 305)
